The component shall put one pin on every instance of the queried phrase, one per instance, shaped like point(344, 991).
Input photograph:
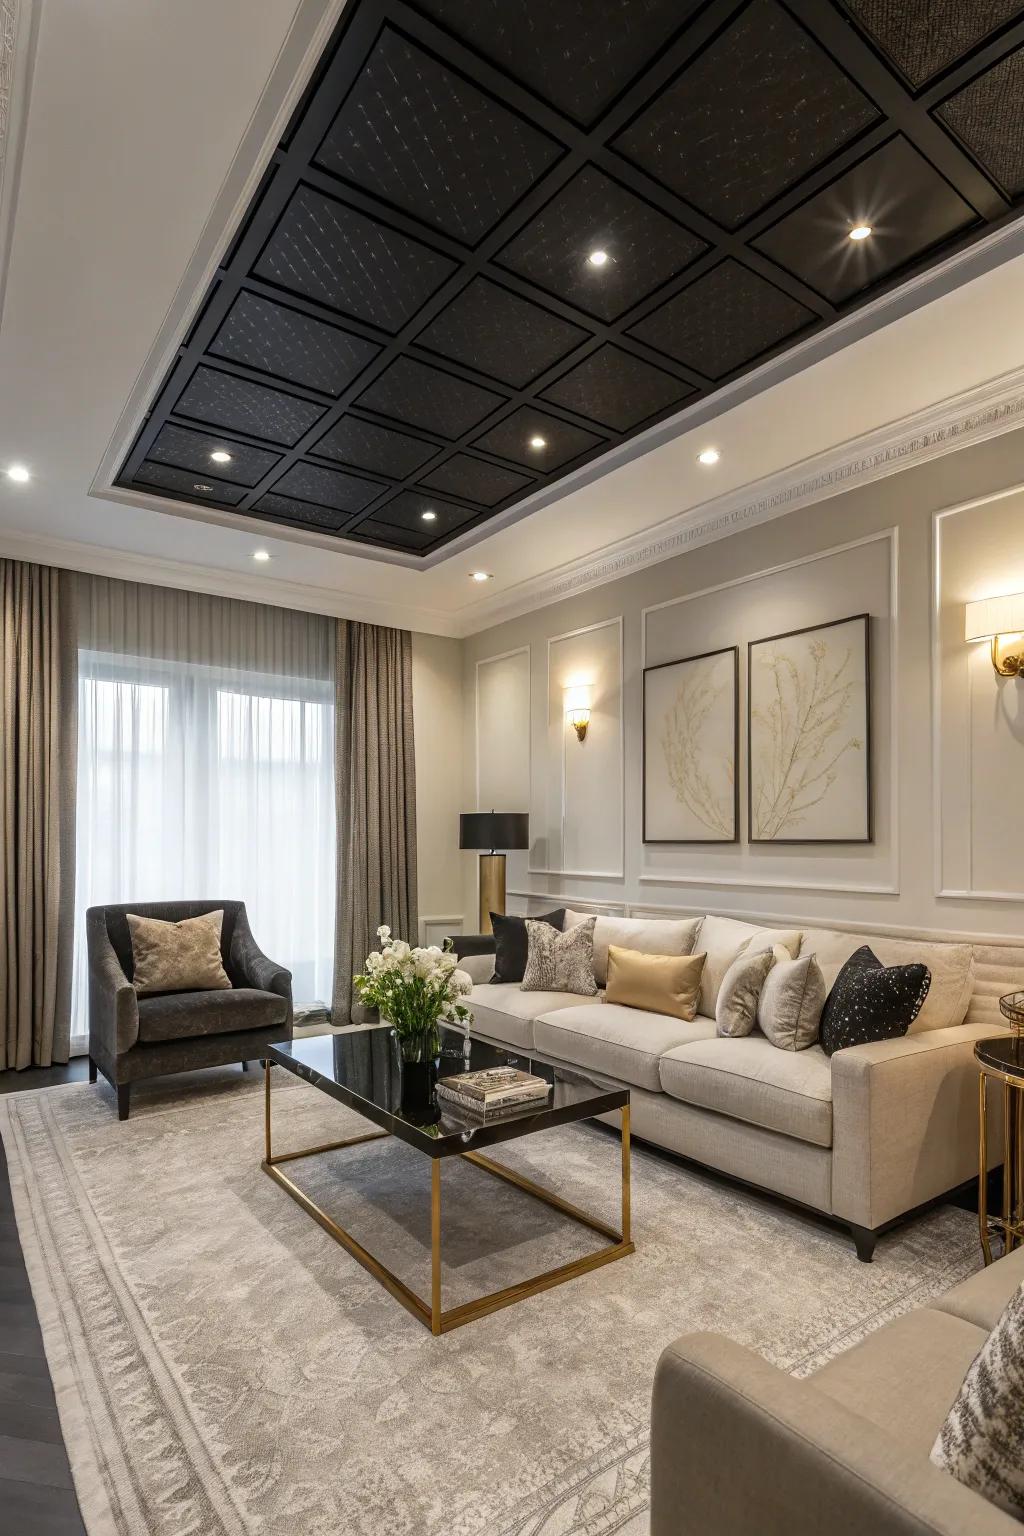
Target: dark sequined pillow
point(872, 1001)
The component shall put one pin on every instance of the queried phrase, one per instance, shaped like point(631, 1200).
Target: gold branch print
point(803, 733)
point(703, 783)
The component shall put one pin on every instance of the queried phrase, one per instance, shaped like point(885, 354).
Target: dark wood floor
point(37, 1497)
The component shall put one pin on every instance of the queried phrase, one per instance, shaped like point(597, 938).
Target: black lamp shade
point(494, 829)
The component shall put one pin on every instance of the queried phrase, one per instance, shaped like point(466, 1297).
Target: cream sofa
point(739, 1447)
point(864, 1137)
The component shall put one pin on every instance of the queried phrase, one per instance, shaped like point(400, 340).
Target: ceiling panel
point(408, 319)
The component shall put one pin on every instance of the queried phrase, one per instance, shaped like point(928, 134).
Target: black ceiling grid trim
point(406, 304)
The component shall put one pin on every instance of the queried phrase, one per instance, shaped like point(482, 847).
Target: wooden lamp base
point(492, 888)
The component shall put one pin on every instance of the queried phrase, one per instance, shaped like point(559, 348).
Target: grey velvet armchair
point(132, 1038)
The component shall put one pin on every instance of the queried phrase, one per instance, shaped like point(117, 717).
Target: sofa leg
point(864, 1241)
point(245, 1066)
point(124, 1092)
point(92, 1070)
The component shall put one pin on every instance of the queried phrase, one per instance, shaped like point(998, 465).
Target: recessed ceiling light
point(220, 456)
point(18, 472)
point(598, 258)
point(260, 554)
point(481, 576)
point(860, 231)
point(708, 456)
point(429, 517)
point(538, 442)
point(201, 485)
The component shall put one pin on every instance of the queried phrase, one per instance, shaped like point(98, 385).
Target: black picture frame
point(865, 620)
point(681, 661)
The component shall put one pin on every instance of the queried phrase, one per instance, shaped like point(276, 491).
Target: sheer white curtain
point(206, 767)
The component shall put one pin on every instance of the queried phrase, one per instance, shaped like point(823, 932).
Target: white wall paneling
point(578, 787)
point(977, 716)
point(503, 736)
point(434, 929)
point(859, 576)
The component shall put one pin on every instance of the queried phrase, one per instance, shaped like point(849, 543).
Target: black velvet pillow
point(510, 943)
point(872, 1001)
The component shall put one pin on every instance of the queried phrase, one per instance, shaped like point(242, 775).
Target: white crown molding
point(248, 587)
point(19, 23)
point(971, 417)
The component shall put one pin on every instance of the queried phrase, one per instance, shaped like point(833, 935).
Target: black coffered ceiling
point(408, 303)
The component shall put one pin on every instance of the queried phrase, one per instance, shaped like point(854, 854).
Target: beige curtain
point(38, 691)
point(375, 791)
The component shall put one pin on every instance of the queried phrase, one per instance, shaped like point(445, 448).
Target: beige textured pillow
point(660, 983)
point(736, 1008)
point(649, 935)
point(177, 957)
point(951, 967)
point(789, 1009)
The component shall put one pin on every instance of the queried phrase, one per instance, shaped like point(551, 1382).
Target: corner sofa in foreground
point(863, 1137)
point(844, 1451)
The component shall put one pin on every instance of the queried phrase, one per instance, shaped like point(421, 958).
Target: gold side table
point(1001, 1061)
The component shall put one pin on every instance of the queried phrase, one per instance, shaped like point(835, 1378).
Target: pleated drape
point(38, 692)
point(375, 790)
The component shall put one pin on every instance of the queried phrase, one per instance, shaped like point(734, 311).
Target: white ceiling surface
point(138, 109)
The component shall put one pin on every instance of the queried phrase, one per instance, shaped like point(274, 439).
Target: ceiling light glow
point(598, 258)
point(860, 231)
point(18, 473)
point(481, 576)
point(429, 517)
point(261, 555)
point(220, 456)
point(538, 442)
point(708, 456)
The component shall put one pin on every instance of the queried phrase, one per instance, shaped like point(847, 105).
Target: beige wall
point(948, 854)
point(437, 714)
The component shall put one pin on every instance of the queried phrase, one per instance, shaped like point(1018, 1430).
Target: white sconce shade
point(577, 708)
point(992, 616)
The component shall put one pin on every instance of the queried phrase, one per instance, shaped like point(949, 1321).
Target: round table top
point(1002, 1053)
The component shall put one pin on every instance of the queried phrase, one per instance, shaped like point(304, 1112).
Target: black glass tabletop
point(361, 1067)
point(1003, 1053)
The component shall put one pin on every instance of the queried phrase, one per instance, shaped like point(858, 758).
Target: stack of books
point(492, 1094)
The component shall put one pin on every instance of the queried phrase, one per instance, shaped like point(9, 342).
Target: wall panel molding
point(486, 661)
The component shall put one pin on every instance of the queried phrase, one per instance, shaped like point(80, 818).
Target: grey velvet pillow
point(789, 1008)
point(981, 1442)
point(736, 1008)
point(560, 962)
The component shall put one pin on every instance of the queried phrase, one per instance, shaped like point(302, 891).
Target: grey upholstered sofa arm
point(113, 1005)
point(249, 962)
point(905, 1122)
point(738, 1448)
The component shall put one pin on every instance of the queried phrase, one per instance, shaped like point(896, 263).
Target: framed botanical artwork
point(809, 735)
point(691, 749)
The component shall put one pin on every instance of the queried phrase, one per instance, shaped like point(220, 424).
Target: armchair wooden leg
point(92, 1070)
point(124, 1092)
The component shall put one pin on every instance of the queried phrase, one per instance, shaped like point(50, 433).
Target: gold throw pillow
point(177, 957)
point(660, 983)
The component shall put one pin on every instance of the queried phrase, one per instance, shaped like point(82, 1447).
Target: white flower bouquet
point(415, 990)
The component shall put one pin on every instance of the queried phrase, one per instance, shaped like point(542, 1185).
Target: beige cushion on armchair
point(177, 957)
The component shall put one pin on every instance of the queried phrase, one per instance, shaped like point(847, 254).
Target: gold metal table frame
point(1009, 1224)
point(433, 1316)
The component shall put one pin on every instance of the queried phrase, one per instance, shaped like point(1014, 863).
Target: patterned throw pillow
point(560, 962)
point(982, 1440)
point(870, 1001)
point(177, 957)
point(510, 947)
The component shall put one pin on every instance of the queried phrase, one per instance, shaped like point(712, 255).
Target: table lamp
point(492, 830)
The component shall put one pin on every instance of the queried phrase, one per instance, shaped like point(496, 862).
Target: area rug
point(222, 1366)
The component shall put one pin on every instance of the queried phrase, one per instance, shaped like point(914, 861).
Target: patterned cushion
point(560, 962)
point(982, 1440)
point(177, 957)
point(510, 946)
point(872, 1002)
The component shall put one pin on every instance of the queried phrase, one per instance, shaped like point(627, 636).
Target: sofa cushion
point(723, 940)
point(623, 1043)
point(983, 1298)
point(183, 1015)
point(503, 1011)
point(789, 1008)
point(951, 967)
point(904, 1377)
point(749, 1079)
point(510, 942)
point(649, 935)
point(656, 983)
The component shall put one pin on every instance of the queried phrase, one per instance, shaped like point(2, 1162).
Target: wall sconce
point(1001, 620)
point(577, 709)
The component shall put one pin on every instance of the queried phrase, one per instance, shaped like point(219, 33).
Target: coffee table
point(360, 1068)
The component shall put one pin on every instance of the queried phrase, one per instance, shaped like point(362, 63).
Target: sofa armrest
point(738, 1447)
point(466, 944)
point(256, 969)
point(905, 1122)
point(113, 1004)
